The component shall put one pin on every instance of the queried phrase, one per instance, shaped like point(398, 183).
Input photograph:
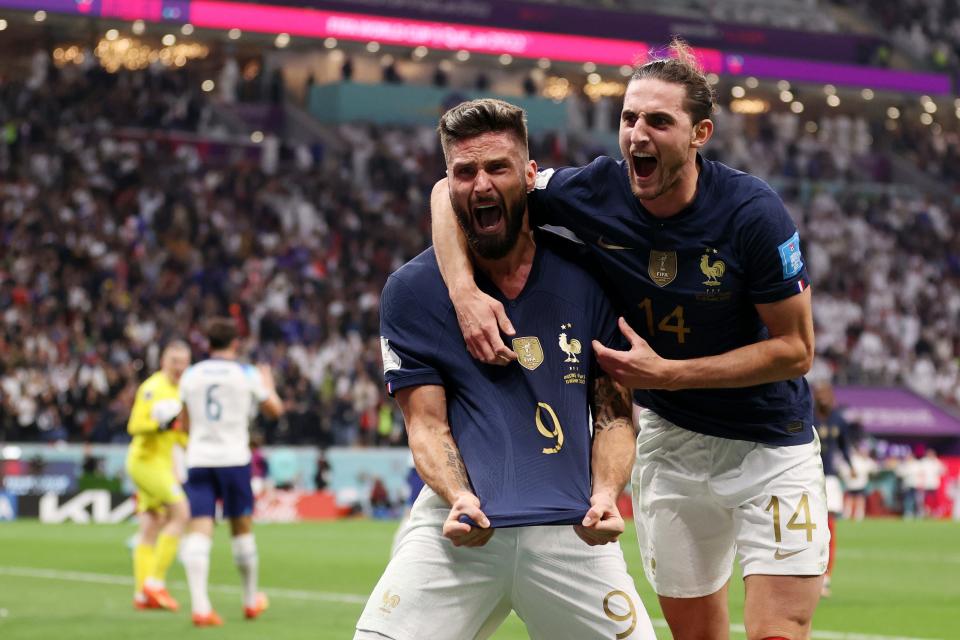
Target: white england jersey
point(222, 397)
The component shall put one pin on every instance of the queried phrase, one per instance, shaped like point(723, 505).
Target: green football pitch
point(893, 580)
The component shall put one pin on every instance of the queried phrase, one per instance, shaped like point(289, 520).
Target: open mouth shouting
point(644, 164)
point(488, 217)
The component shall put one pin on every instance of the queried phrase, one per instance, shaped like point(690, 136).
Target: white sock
point(247, 561)
point(195, 555)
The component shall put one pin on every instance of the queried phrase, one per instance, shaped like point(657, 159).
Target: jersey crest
point(713, 270)
point(529, 352)
point(662, 267)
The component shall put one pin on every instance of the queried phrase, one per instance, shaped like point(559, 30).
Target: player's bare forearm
point(449, 242)
point(787, 353)
point(613, 437)
point(435, 454)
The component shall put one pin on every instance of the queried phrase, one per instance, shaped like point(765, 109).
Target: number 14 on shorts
point(794, 523)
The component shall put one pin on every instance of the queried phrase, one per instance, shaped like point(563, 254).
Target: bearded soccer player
point(519, 509)
point(161, 502)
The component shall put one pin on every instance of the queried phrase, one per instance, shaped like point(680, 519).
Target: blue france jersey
point(688, 283)
point(523, 430)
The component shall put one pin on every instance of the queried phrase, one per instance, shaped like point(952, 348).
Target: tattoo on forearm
point(612, 406)
point(455, 465)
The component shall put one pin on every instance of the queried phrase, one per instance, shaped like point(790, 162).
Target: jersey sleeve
point(770, 245)
point(408, 339)
point(562, 196)
point(141, 418)
point(257, 387)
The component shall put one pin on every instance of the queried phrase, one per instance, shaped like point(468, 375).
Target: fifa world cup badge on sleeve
point(790, 256)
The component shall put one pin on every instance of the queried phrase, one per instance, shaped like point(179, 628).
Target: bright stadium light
point(3, 25)
point(186, 29)
point(462, 56)
point(589, 67)
point(738, 91)
point(893, 113)
point(930, 107)
point(420, 52)
point(926, 118)
point(11, 452)
point(373, 46)
point(594, 78)
point(796, 107)
point(626, 71)
point(783, 85)
point(138, 27)
point(505, 59)
point(330, 43)
point(957, 113)
point(40, 16)
point(257, 137)
point(924, 99)
point(829, 89)
point(169, 40)
point(208, 85)
point(233, 34)
point(751, 82)
point(786, 96)
point(111, 34)
point(713, 79)
point(867, 94)
point(282, 40)
point(833, 100)
point(544, 63)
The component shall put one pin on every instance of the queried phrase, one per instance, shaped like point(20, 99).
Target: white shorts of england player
point(699, 499)
point(558, 585)
point(834, 494)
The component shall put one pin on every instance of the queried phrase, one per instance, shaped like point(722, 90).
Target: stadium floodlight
point(893, 113)
point(783, 85)
point(208, 85)
point(330, 43)
point(420, 52)
point(833, 100)
point(589, 67)
point(867, 94)
point(796, 106)
point(138, 27)
point(11, 452)
point(3, 24)
point(626, 71)
point(786, 96)
point(256, 137)
point(186, 29)
point(233, 34)
point(930, 107)
point(505, 59)
point(594, 78)
point(373, 46)
point(169, 40)
point(751, 82)
point(738, 91)
point(926, 118)
point(544, 63)
point(111, 34)
point(713, 79)
point(282, 40)
point(462, 55)
point(829, 89)
point(40, 16)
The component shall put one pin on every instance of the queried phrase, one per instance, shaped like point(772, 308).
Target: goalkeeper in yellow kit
point(161, 503)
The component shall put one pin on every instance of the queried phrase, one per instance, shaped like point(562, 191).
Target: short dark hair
point(221, 331)
point(476, 117)
point(682, 68)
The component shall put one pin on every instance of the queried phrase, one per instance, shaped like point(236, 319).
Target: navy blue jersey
point(835, 439)
point(523, 430)
point(688, 284)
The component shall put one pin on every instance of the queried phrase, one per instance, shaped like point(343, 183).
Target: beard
point(493, 246)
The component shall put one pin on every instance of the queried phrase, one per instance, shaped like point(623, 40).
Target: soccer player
point(834, 432)
point(512, 474)
point(161, 503)
point(220, 398)
point(707, 269)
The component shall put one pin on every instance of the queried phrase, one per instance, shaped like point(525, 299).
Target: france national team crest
point(790, 256)
point(529, 352)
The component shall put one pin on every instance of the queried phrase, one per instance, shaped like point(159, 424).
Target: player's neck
point(223, 354)
point(510, 272)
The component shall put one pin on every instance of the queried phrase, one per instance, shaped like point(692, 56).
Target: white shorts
point(699, 499)
point(834, 494)
point(558, 585)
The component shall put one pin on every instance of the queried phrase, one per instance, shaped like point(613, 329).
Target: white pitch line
point(324, 596)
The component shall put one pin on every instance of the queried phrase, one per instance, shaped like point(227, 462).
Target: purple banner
point(895, 411)
point(619, 24)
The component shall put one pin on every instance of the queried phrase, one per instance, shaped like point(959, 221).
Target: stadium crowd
point(119, 236)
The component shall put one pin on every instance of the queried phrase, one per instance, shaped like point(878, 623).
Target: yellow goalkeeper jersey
point(157, 403)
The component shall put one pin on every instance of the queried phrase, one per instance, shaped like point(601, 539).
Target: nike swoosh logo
point(783, 556)
point(612, 247)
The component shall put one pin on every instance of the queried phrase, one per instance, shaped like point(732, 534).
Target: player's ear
point(530, 175)
point(702, 131)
